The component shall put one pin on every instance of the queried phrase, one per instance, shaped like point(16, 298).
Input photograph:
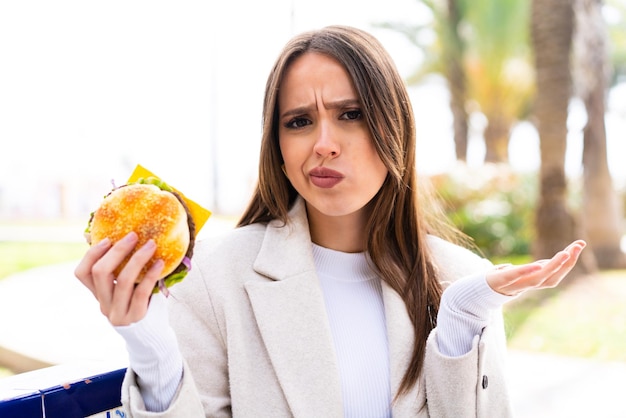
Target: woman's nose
point(326, 143)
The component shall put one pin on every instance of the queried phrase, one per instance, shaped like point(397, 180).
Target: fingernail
point(149, 245)
point(104, 243)
point(130, 237)
point(157, 265)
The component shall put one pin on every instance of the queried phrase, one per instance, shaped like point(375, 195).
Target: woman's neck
point(341, 233)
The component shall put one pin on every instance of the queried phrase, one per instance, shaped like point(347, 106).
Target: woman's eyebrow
point(342, 104)
point(300, 110)
point(337, 104)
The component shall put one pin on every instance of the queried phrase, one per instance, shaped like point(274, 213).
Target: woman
point(328, 300)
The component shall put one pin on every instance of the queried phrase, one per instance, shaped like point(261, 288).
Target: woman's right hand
point(121, 300)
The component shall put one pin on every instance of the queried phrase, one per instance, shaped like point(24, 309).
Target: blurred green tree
point(499, 70)
point(443, 48)
point(615, 11)
point(482, 49)
point(493, 205)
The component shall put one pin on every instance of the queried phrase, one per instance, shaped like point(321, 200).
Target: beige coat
point(252, 327)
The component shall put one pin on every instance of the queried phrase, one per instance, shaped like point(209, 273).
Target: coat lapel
point(291, 316)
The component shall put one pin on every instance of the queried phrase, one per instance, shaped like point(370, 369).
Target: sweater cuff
point(466, 308)
point(154, 355)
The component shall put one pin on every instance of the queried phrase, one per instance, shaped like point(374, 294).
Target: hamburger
point(153, 210)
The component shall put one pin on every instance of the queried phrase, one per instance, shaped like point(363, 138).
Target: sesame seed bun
point(152, 213)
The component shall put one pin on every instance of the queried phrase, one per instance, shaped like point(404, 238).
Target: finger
point(504, 280)
point(125, 286)
point(502, 266)
point(539, 274)
point(574, 250)
point(103, 270)
point(552, 271)
point(93, 254)
point(143, 292)
point(534, 280)
point(564, 259)
point(580, 244)
point(516, 279)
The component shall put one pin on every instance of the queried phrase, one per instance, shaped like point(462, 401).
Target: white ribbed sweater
point(354, 304)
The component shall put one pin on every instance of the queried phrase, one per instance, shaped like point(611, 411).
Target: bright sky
point(88, 89)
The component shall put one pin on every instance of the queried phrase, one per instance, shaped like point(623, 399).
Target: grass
point(5, 372)
point(585, 318)
point(19, 256)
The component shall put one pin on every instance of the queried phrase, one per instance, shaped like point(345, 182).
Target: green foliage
point(586, 318)
point(482, 48)
point(19, 256)
point(615, 13)
point(497, 30)
point(493, 205)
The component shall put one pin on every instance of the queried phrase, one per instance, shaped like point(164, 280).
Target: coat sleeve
point(186, 402)
point(204, 389)
point(473, 385)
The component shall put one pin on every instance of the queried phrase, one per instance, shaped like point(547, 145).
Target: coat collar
point(286, 249)
point(292, 319)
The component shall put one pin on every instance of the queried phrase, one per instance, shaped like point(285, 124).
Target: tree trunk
point(551, 31)
point(457, 84)
point(602, 214)
point(497, 134)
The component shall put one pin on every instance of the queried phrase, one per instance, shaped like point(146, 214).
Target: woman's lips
point(325, 177)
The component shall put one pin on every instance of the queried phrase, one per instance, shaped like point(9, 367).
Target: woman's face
point(328, 151)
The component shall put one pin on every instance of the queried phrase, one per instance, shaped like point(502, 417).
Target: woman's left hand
point(512, 280)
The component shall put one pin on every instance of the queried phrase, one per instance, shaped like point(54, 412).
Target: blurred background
point(520, 108)
point(89, 89)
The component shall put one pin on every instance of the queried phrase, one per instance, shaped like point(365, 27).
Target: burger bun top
point(153, 214)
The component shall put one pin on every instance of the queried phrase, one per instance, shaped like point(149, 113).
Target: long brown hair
point(398, 224)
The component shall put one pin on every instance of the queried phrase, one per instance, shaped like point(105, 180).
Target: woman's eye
point(296, 123)
point(352, 115)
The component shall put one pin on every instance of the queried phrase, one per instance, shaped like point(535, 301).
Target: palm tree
point(499, 70)
point(444, 56)
point(481, 47)
point(552, 26)
point(617, 35)
point(602, 215)
point(455, 75)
